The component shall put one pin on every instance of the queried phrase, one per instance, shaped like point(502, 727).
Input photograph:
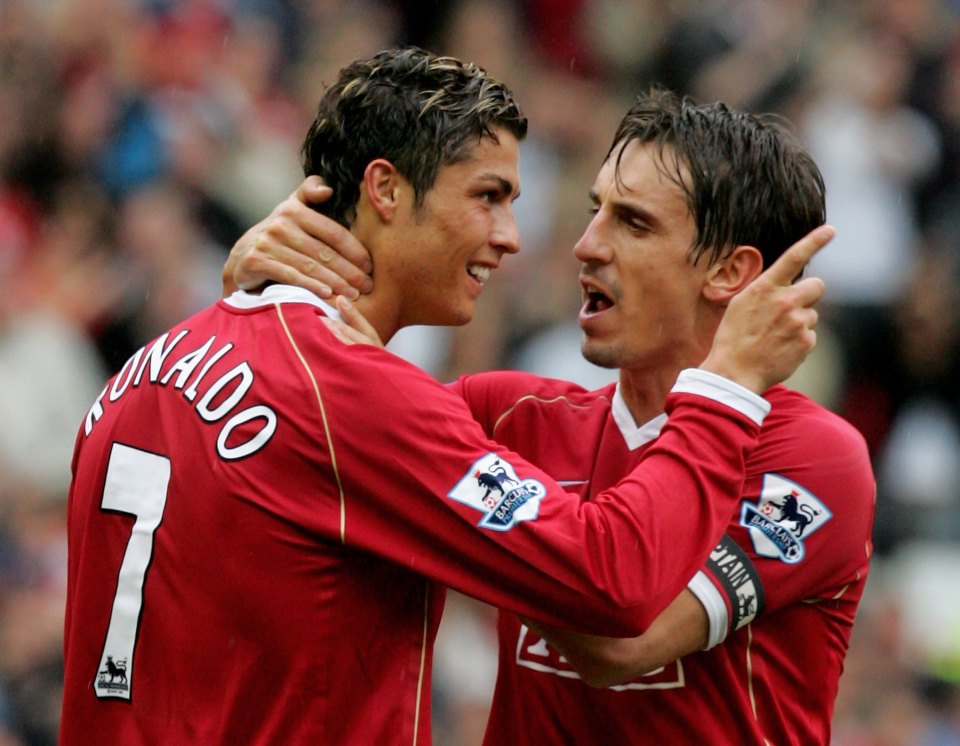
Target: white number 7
point(136, 483)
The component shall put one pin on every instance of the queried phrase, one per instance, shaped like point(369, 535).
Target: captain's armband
point(730, 590)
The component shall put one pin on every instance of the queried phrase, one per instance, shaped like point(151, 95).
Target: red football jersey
point(262, 521)
point(782, 587)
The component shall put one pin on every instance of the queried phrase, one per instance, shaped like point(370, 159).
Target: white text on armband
point(229, 388)
point(736, 574)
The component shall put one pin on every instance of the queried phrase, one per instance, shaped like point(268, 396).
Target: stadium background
point(138, 138)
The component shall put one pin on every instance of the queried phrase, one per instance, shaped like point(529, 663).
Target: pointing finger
point(791, 263)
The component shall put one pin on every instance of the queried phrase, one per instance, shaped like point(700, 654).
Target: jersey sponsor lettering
point(534, 653)
point(784, 515)
point(492, 486)
point(222, 397)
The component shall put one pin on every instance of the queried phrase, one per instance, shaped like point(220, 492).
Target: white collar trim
point(633, 435)
point(273, 294)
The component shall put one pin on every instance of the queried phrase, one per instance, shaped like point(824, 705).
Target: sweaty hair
point(415, 109)
point(750, 182)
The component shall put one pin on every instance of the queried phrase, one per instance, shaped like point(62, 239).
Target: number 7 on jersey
point(136, 484)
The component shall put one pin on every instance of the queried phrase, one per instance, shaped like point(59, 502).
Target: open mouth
point(596, 302)
point(479, 273)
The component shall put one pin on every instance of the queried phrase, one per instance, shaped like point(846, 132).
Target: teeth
point(481, 274)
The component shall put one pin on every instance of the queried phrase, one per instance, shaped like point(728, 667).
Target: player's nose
point(593, 245)
point(505, 236)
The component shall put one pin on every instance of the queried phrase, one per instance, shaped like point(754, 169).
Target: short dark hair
point(750, 181)
point(418, 110)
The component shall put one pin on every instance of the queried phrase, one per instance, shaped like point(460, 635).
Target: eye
point(635, 224)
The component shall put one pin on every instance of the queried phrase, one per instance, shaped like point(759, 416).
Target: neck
point(645, 392)
point(645, 387)
point(382, 306)
point(382, 315)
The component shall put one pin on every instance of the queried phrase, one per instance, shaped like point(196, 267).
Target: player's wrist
point(712, 385)
point(746, 376)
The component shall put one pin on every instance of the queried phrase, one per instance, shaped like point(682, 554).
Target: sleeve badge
point(782, 518)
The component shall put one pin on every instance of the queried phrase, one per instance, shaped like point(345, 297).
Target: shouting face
point(641, 294)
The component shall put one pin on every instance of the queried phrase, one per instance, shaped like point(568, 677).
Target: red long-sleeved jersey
point(262, 521)
point(781, 589)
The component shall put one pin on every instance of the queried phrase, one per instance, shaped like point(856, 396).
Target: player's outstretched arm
point(682, 628)
point(770, 327)
point(293, 244)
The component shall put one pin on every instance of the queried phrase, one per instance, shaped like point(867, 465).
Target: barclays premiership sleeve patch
point(492, 486)
point(784, 516)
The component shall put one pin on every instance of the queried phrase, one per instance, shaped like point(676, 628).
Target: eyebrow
point(502, 184)
point(626, 209)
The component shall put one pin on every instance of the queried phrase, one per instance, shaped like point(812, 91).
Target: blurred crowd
point(139, 138)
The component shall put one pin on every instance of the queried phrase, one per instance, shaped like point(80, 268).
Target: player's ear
point(382, 187)
point(732, 274)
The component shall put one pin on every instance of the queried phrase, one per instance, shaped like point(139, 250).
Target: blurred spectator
point(903, 396)
point(170, 267)
point(465, 670)
point(874, 150)
point(895, 699)
point(751, 54)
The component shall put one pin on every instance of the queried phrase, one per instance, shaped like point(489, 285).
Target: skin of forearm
point(681, 629)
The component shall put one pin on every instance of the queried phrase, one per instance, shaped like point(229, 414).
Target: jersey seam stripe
point(753, 700)
point(423, 664)
point(534, 397)
point(835, 597)
point(323, 417)
point(839, 594)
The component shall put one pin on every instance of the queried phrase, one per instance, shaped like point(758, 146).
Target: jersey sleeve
point(491, 393)
point(424, 487)
point(802, 532)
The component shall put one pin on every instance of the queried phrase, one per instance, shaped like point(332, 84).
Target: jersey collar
point(273, 294)
point(633, 435)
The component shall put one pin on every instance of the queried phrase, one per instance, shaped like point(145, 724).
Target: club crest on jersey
point(493, 487)
point(782, 518)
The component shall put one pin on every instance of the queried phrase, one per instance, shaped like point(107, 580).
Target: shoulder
point(808, 501)
point(499, 390)
point(493, 397)
point(797, 419)
point(366, 378)
point(806, 443)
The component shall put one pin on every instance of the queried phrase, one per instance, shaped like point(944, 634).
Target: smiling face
point(643, 307)
point(443, 251)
